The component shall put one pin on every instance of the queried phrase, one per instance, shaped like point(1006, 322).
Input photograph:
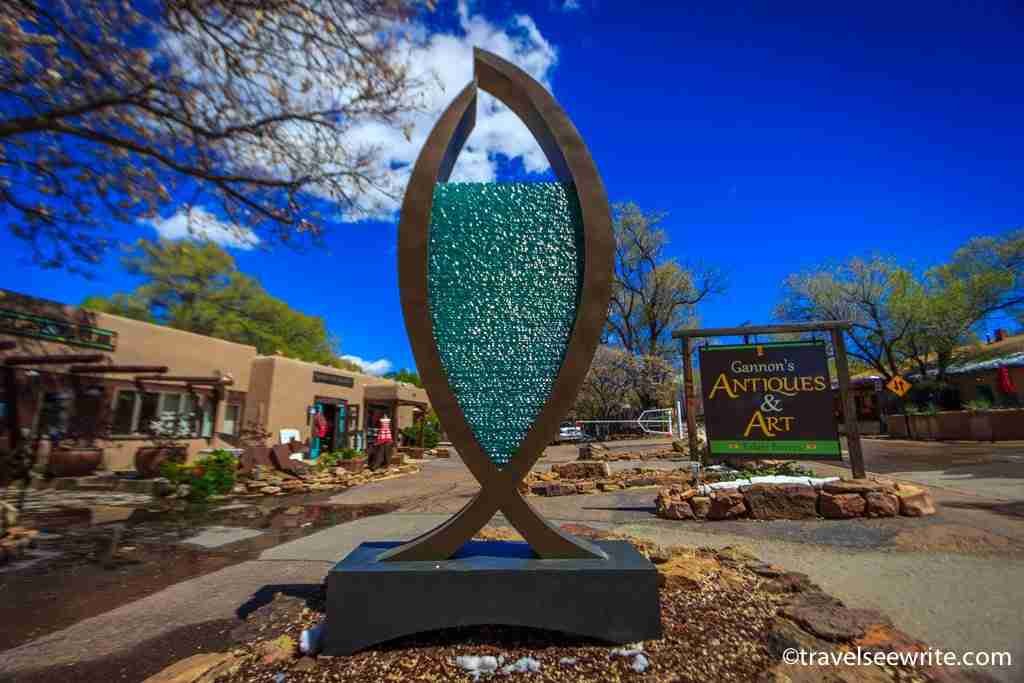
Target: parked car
point(569, 432)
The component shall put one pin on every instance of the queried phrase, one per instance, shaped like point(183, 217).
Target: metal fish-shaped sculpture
point(505, 291)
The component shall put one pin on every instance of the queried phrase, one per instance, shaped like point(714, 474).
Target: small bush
point(429, 426)
point(978, 404)
point(331, 459)
point(211, 475)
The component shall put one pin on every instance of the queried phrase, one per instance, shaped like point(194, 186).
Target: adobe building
point(226, 393)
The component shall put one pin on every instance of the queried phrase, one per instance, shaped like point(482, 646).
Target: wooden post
point(849, 415)
point(691, 419)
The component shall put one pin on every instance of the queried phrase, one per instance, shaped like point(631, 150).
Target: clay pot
point(74, 461)
point(354, 465)
point(148, 459)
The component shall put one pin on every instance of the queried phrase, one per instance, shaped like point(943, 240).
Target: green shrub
point(430, 428)
point(210, 475)
point(978, 404)
point(331, 459)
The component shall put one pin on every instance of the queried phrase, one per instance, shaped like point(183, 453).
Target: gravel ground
point(716, 616)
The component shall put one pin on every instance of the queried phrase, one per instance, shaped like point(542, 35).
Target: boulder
point(783, 635)
point(854, 486)
point(914, 501)
point(608, 485)
point(677, 510)
point(842, 505)
point(195, 669)
point(700, 506)
point(790, 582)
point(275, 651)
point(834, 622)
point(555, 488)
point(788, 501)
point(643, 480)
point(8, 517)
point(726, 505)
point(586, 486)
point(882, 504)
point(582, 470)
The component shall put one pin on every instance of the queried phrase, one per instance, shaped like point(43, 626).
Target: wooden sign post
point(835, 328)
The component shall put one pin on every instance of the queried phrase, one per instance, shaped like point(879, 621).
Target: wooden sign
point(768, 400)
point(329, 378)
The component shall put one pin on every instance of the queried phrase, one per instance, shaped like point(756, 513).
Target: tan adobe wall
point(138, 343)
point(286, 389)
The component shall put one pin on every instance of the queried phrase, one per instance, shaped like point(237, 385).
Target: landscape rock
point(787, 501)
point(700, 505)
point(726, 505)
point(8, 517)
point(817, 673)
point(275, 651)
point(833, 622)
point(582, 470)
point(783, 634)
point(270, 490)
point(914, 501)
point(587, 486)
point(194, 669)
point(854, 486)
point(678, 510)
point(790, 582)
point(842, 505)
point(882, 504)
point(608, 486)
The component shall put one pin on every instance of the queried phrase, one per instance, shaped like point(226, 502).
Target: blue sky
point(776, 138)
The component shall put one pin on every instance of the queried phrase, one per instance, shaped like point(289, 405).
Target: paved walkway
point(955, 579)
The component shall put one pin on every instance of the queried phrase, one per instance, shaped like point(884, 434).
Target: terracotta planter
point(1007, 425)
point(74, 462)
point(981, 426)
point(353, 465)
point(954, 425)
point(148, 459)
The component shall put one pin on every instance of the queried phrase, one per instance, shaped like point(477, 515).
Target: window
point(232, 413)
point(124, 413)
point(135, 412)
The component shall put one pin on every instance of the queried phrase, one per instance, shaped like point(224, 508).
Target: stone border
point(590, 476)
point(842, 499)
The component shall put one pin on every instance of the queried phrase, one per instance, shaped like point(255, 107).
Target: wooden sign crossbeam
point(834, 327)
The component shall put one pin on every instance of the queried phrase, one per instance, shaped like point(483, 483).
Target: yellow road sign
point(898, 386)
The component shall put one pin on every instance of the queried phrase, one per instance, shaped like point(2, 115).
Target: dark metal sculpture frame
point(571, 163)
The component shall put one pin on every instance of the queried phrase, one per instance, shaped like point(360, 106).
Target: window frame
point(137, 403)
point(236, 421)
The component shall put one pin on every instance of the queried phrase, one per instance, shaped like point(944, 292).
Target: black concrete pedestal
point(491, 582)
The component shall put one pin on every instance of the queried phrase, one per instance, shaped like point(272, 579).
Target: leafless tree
point(652, 294)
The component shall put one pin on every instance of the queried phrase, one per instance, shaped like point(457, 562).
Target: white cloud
point(440, 59)
point(371, 367)
point(571, 5)
point(444, 60)
point(199, 224)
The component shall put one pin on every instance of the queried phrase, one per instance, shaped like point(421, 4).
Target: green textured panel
point(504, 277)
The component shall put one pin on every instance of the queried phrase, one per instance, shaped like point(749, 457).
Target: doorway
point(335, 412)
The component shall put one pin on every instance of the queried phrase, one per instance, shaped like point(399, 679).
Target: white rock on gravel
point(522, 665)
point(640, 664)
point(478, 666)
point(777, 479)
